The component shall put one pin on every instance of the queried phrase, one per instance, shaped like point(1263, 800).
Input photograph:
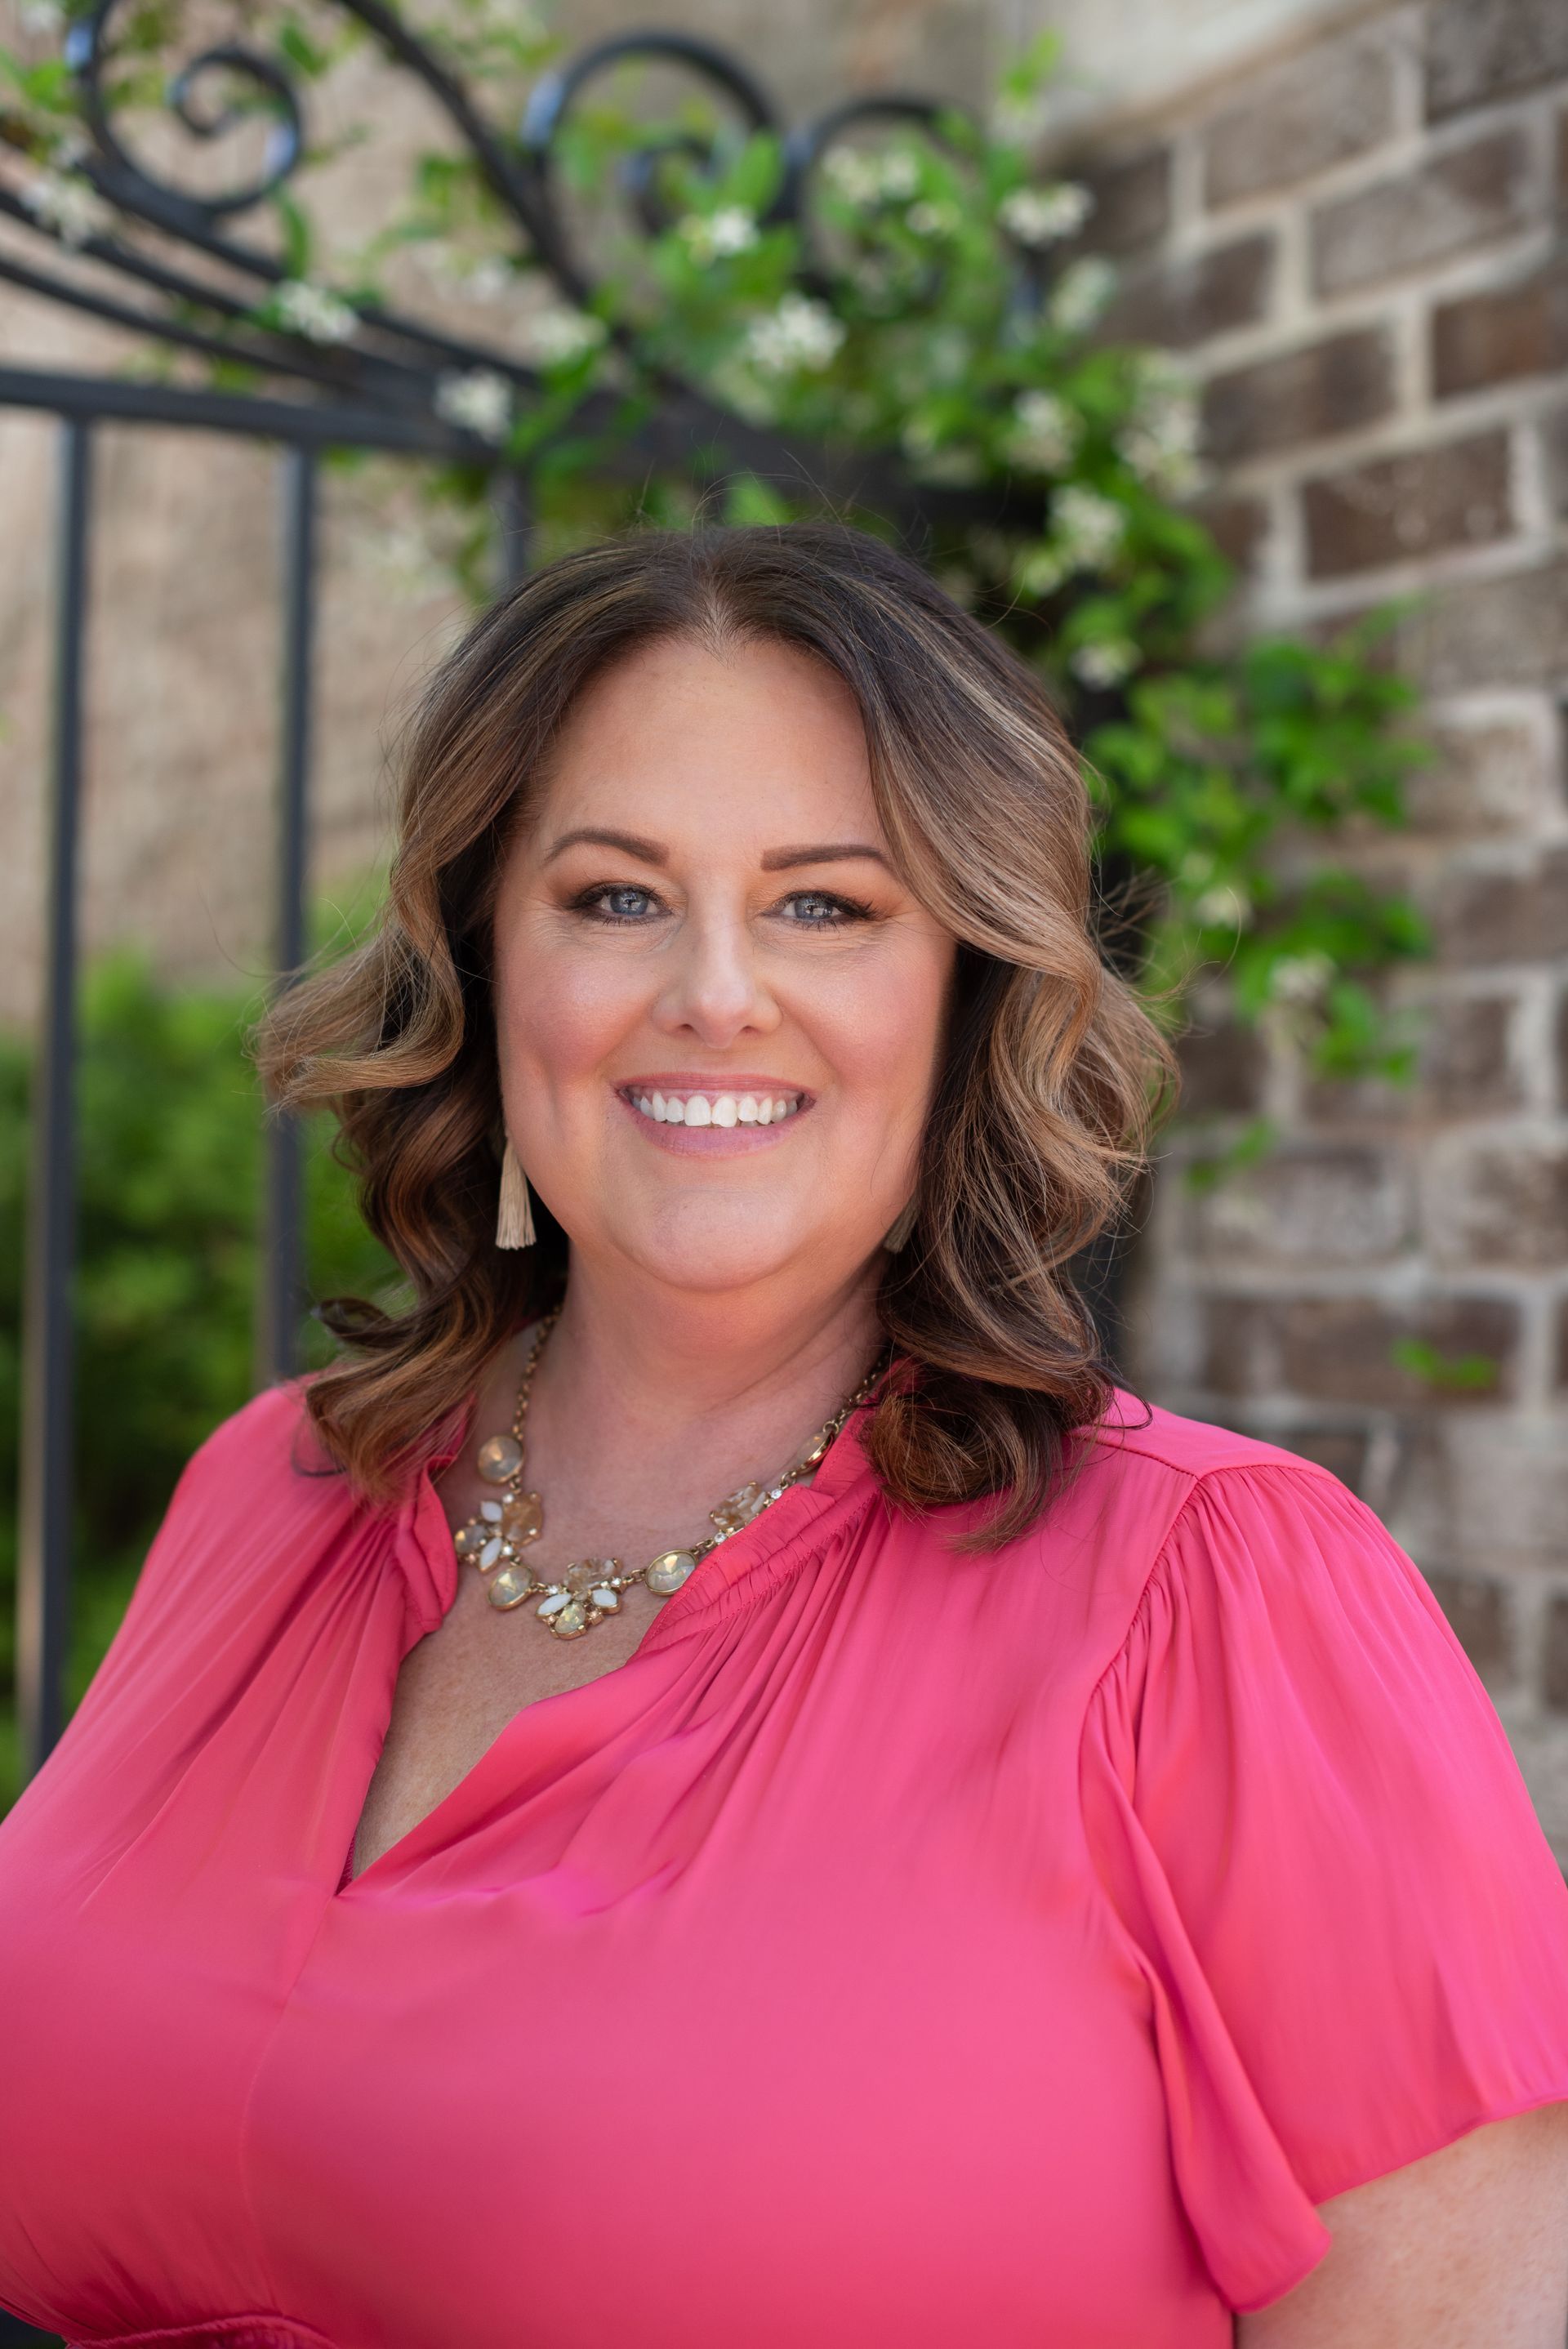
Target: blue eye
point(815, 909)
point(618, 902)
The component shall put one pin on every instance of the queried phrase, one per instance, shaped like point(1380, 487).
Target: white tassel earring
point(896, 1236)
point(515, 1215)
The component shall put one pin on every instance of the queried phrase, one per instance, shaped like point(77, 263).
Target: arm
point(1465, 2249)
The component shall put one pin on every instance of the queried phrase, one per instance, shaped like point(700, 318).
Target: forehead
point(759, 740)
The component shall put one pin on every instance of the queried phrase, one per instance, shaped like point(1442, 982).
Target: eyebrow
point(654, 851)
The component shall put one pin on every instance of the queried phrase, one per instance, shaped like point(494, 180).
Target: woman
point(710, 1782)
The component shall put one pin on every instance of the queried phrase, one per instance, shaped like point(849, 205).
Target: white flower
point(66, 204)
point(1222, 908)
point(1045, 432)
point(478, 401)
point(1080, 295)
point(559, 334)
point(313, 313)
point(1301, 979)
point(1160, 443)
point(1041, 573)
point(1107, 663)
point(1044, 215)
point(898, 176)
point(714, 236)
point(1089, 527)
point(931, 220)
point(489, 280)
point(863, 180)
point(41, 16)
point(800, 333)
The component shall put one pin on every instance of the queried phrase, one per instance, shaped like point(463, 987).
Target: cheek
point(559, 1016)
point(882, 1032)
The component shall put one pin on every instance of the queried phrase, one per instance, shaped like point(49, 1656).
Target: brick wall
point(1359, 245)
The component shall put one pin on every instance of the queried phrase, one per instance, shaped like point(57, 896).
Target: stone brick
point(1238, 527)
point(1228, 286)
point(1449, 205)
point(1298, 118)
point(1341, 1450)
point(1481, 778)
point(1466, 1068)
point(1555, 441)
point(1502, 1204)
point(1484, 1488)
point(1476, 1608)
point(1503, 334)
point(1554, 1657)
point(1401, 507)
point(1486, 633)
point(1308, 394)
point(1481, 49)
point(1131, 199)
point(1223, 1071)
point(1344, 1205)
point(1514, 914)
point(1341, 1349)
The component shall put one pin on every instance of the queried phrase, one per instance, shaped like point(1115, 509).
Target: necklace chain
point(590, 1589)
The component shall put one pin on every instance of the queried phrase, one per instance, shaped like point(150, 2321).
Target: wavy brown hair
point(1049, 1079)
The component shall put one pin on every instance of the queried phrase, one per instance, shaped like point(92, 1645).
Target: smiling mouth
point(692, 1105)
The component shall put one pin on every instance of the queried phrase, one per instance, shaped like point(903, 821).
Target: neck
point(763, 1371)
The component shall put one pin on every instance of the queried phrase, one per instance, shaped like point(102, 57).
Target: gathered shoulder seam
point(1197, 1480)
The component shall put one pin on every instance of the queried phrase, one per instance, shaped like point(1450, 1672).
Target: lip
point(712, 1141)
point(713, 1081)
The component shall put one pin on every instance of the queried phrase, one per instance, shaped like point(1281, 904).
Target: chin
point(696, 1245)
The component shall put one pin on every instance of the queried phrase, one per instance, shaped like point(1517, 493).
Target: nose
point(714, 989)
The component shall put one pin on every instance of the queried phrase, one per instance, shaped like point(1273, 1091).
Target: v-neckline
point(765, 1542)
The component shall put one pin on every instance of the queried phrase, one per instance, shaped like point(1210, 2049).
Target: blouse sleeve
point(1318, 1846)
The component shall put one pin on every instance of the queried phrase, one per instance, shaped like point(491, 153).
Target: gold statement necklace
point(590, 1589)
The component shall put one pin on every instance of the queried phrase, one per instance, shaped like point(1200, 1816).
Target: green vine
point(949, 323)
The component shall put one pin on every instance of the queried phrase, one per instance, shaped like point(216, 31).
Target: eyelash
point(588, 902)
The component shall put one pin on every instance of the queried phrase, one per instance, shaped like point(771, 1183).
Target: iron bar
point(281, 1292)
point(515, 514)
point(44, 1561)
point(302, 423)
point(272, 359)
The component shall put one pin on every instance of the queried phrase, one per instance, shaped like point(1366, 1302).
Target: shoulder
point(1207, 1540)
point(259, 1490)
point(1192, 1448)
point(268, 1442)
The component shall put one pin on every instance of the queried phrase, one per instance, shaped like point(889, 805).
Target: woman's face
point(718, 1006)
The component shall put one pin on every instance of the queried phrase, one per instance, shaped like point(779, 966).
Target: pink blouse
point(902, 1949)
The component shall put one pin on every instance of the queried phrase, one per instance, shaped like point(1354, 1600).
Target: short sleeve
point(1324, 1860)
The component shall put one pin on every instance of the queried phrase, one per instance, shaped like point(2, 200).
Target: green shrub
point(169, 1191)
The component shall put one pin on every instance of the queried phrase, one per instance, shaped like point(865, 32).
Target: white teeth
point(724, 1109)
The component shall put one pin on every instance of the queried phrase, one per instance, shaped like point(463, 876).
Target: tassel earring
point(896, 1236)
point(514, 1217)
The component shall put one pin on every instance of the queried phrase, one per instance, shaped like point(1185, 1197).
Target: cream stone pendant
point(667, 1573)
point(499, 1460)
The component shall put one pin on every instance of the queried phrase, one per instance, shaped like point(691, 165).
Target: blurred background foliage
point(171, 1169)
